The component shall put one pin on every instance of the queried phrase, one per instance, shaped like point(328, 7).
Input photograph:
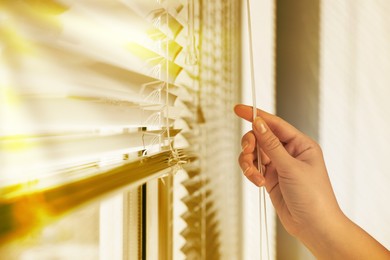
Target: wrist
point(340, 238)
point(326, 232)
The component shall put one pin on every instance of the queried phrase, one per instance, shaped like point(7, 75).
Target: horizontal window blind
point(211, 190)
point(89, 102)
point(100, 95)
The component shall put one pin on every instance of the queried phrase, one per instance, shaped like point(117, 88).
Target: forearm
point(340, 238)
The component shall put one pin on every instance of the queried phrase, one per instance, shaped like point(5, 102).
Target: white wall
point(355, 109)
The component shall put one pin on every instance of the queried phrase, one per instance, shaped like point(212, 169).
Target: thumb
point(271, 145)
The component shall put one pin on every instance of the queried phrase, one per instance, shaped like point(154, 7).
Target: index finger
point(283, 130)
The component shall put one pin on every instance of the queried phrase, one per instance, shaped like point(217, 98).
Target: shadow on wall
point(297, 85)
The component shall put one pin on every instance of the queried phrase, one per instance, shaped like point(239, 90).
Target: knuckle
point(248, 173)
point(248, 143)
point(271, 143)
point(315, 148)
point(243, 139)
point(278, 121)
point(240, 158)
point(247, 137)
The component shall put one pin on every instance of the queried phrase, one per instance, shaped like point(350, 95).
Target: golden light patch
point(47, 6)
point(8, 96)
point(15, 143)
point(14, 41)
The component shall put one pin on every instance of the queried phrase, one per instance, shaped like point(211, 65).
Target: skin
point(297, 181)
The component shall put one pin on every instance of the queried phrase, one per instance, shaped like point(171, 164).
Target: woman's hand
point(297, 181)
point(295, 175)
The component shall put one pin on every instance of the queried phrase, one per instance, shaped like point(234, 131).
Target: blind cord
point(262, 200)
point(167, 83)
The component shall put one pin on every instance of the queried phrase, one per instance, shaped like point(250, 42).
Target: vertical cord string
point(262, 200)
point(167, 81)
point(192, 56)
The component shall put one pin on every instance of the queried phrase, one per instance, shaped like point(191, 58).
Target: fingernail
point(259, 125)
point(244, 145)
